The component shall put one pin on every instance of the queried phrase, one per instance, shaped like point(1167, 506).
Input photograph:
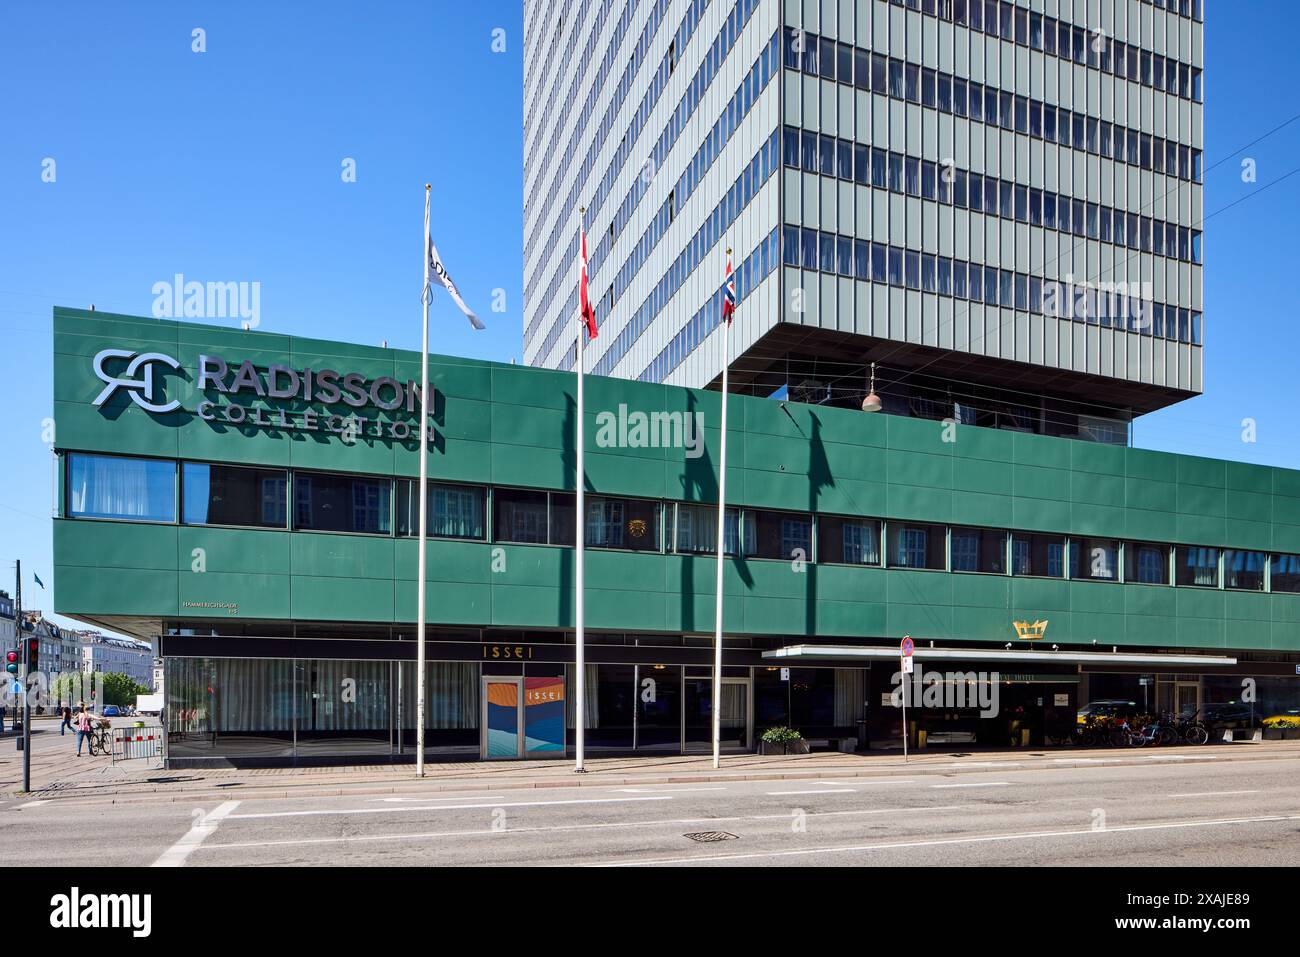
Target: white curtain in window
point(112, 487)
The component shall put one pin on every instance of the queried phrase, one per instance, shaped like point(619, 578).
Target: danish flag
point(729, 294)
point(585, 309)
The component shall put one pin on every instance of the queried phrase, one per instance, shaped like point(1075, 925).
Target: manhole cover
point(708, 837)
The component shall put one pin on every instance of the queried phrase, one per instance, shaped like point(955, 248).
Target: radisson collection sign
point(136, 374)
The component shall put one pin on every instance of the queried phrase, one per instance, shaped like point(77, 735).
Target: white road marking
point(204, 827)
point(1205, 794)
point(976, 784)
point(547, 829)
point(859, 782)
point(1181, 757)
point(813, 791)
point(1085, 760)
point(23, 807)
point(468, 797)
point(985, 764)
point(666, 790)
point(704, 859)
point(448, 807)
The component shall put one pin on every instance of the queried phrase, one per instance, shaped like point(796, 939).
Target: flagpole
point(420, 587)
point(580, 535)
point(722, 531)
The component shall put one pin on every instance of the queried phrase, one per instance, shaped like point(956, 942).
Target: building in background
point(996, 203)
point(8, 626)
point(113, 655)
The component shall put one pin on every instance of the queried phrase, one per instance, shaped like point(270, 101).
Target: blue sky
point(226, 165)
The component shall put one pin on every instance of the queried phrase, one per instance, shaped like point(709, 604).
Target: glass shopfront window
point(454, 511)
point(610, 706)
point(848, 541)
point(276, 708)
point(979, 550)
point(1147, 563)
point(325, 502)
point(108, 486)
point(913, 545)
point(232, 495)
point(1197, 566)
point(659, 708)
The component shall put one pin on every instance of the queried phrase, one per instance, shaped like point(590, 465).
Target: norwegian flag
point(729, 293)
point(585, 310)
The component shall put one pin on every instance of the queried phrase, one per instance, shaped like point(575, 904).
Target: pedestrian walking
point(83, 728)
point(67, 720)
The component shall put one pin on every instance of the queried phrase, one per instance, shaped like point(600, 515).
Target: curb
point(280, 790)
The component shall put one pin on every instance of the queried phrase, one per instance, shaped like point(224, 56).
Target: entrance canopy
point(849, 652)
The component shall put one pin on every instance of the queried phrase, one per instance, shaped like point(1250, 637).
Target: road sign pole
point(902, 665)
point(905, 649)
point(27, 672)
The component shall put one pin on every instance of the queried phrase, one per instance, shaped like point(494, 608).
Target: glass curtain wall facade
point(1003, 182)
point(674, 122)
point(275, 710)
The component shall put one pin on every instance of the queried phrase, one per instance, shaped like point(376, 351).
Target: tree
point(121, 689)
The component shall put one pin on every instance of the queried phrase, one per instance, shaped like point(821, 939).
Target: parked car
point(112, 711)
point(1107, 708)
point(1231, 714)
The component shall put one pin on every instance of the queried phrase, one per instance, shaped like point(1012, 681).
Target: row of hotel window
point(112, 487)
point(966, 98)
point(737, 197)
point(1015, 24)
point(858, 163)
point(677, 122)
point(1122, 305)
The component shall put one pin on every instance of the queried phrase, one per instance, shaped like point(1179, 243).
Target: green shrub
point(781, 734)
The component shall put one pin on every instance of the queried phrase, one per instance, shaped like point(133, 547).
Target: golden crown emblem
point(1030, 630)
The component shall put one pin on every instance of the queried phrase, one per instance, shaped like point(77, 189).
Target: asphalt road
point(1229, 813)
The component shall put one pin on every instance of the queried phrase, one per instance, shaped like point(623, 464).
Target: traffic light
point(33, 653)
point(11, 662)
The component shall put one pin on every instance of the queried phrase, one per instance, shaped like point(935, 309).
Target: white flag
point(435, 272)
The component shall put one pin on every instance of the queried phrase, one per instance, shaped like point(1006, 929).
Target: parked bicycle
point(1191, 729)
point(1167, 729)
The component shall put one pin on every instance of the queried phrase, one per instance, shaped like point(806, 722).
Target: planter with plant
point(782, 740)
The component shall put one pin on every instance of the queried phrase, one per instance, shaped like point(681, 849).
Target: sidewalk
point(58, 774)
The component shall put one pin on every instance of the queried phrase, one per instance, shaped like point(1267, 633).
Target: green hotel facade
point(243, 499)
